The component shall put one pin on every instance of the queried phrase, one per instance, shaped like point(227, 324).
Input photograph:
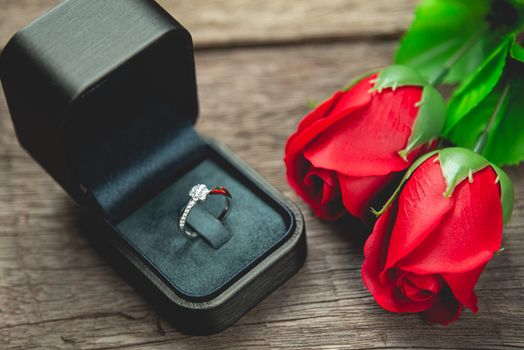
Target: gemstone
point(199, 192)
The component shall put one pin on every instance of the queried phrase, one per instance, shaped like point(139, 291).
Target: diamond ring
point(199, 193)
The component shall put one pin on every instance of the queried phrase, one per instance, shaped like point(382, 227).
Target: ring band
point(197, 194)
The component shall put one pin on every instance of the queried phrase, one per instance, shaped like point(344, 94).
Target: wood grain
point(57, 293)
point(252, 22)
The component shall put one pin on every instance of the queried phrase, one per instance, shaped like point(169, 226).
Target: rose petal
point(358, 192)
point(462, 286)
point(320, 112)
point(385, 290)
point(316, 123)
point(312, 125)
point(357, 95)
point(468, 236)
point(413, 292)
point(430, 283)
point(367, 142)
point(421, 209)
point(445, 311)
point(323, 189)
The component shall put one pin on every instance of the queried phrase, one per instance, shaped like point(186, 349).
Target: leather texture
point(84, 58)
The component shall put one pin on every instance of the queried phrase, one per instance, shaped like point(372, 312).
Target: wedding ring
point(199, 194)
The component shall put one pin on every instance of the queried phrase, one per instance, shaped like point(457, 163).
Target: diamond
point(199, 192)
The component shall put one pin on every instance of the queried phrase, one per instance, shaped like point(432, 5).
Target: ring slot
point(208, 227)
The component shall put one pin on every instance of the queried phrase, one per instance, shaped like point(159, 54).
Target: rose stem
point(483, 137)
point(456, 57)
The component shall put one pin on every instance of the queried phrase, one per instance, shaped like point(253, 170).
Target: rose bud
point(436, 234)
point(349, 149)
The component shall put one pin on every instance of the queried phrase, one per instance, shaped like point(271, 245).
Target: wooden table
point(258, 62)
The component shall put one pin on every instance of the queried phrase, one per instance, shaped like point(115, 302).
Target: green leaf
point(505, 140)
point(468, 130)
point(505, 144)
point(439, 30)
point(517, 51)
point(477, 86)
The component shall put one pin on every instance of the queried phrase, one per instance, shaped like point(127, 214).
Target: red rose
point(351, 147)
point(427, 250)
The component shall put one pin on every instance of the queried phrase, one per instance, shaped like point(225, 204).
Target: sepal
point(431, 116)
point(430, 120)
point(397, 75)
point(459, 164)
point(358, 79)
point(507, 193)
point(432, 108)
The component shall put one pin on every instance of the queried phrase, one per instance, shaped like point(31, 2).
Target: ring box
point(103, 96)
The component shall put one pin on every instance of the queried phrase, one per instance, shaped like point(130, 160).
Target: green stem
point(464, 49)
point(483, 137)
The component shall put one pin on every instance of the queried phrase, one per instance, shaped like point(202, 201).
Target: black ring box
point(103, 96)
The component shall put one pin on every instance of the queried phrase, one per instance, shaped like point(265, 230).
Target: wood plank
point(250, 22)
point(56, 293)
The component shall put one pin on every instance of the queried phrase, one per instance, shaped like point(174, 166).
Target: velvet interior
point(204, 222)
point(140, 169)
point(194, 266)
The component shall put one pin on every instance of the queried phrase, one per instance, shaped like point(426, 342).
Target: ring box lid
point(100, 73)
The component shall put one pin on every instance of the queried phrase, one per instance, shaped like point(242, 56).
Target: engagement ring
point(199, 193)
